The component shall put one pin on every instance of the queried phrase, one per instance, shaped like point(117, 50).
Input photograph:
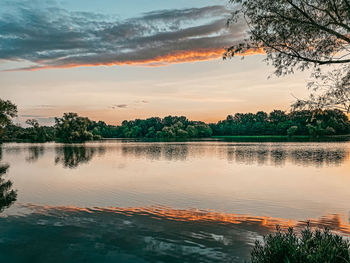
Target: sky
point(113, 60)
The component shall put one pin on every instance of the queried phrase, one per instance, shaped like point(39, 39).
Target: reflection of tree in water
point(73, 156)
point(171, 152)
point(34, 153)
point(279, 156)
point(7, 195)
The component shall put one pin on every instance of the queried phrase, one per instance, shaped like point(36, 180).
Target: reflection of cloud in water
point(155, 234)
point(71, 156)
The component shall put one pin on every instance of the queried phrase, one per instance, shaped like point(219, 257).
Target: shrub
point(292, 131)
point(319, 246)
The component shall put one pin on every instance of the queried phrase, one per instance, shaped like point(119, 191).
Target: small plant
point(318, 246)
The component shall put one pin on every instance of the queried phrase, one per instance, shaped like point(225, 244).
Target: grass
point(318, 246)
point(282, 138)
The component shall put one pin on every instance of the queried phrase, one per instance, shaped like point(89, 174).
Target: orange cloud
point(162, 60)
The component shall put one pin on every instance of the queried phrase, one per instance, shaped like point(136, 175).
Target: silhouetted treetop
point(8, 110)
point(295, 34)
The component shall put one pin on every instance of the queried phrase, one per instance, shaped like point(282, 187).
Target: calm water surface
point(127, 201)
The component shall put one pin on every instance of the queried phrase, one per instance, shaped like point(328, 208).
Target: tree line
point(73, 128)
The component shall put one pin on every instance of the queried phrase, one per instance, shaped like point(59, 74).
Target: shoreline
point(235, 138)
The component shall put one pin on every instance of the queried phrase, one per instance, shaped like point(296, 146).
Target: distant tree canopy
point(171, 127)
point(313, 123)
point(300, 35)
point(72, 128)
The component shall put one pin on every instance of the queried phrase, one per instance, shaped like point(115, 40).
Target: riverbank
point(282, 138)
point(241, 138)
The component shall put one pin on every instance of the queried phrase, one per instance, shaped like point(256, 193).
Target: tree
point(329, 91)
point(37, 133)
point(33, 123)
point(72, 128)
point(301, 34)
point(292, 33)
point(8, 110)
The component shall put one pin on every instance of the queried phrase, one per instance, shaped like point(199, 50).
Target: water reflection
point(35, 152)
point(277, 155)
point(73, 156)
point(170, 152)
point(262, 154)
point(7, 195)
point(155, 234)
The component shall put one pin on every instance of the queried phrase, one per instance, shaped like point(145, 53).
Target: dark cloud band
point(52, 37)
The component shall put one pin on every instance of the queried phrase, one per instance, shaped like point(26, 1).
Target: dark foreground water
point(120, 201)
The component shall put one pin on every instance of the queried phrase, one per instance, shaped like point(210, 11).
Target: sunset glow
point(173, 60)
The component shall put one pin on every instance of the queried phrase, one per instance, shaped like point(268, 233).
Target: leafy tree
point(72, 128)
point(300, 35)
point(329, 91)
point(292, 131)
point(293, 33)
point(8, 110)
point(36, 133)
point(277, 116)
point(33, 122)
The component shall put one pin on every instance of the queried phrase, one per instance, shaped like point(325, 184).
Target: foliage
point(329, 91)
point(295, 34)
point(292, 131)
point(72, 128)
point(301, 35)
point(306, 122)
point(36, 133)
point(170, 127)
point(310, 247)
point(30, 134)
point(8, 110)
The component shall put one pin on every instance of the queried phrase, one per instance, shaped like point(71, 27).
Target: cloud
point(121, 106)
point(30, 116)
point(46, 121)
point(51, 37)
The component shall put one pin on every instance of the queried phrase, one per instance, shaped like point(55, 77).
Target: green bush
point(319, 246)
point(292, 131)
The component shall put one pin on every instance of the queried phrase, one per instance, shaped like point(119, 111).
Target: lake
point(133, 201)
